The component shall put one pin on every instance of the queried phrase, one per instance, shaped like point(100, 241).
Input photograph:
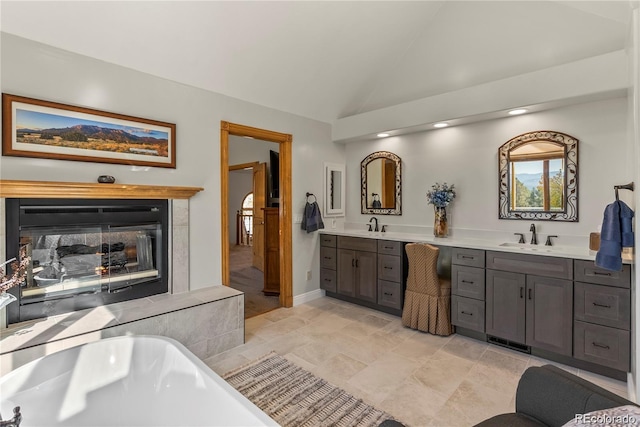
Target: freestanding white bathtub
point(125, 381)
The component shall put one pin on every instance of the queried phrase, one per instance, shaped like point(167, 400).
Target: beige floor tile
point(443, 375)
point(323, 324)
point(401, 403)
point(384, 375)
point(504, 362)
point(538, 361)
point(222, 365)
point(509, 352)
point(315, 353)
point(465, 347)
point(421, 346)
point(477, 402)
point(419, 378)
point(340, 368)
point(282, 345)
point(615, 386)
point(279, 328)
point(395, 327)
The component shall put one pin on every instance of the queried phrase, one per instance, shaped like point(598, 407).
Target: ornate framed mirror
point(381, 184)
point(538, 177)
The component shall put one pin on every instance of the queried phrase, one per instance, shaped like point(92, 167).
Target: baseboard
point(306, 297)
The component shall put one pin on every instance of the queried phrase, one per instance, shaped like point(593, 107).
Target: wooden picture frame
point(50, 130)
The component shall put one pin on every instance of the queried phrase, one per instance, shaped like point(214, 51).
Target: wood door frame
point(284, 212)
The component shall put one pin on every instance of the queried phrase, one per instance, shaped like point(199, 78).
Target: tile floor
point(421, 379)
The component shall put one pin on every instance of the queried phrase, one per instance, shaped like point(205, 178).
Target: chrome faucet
point(376, 220)
point(534, 236)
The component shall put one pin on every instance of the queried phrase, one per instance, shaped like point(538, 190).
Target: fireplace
point(86, 252)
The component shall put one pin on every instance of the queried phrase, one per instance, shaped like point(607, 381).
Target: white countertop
point(575, 252)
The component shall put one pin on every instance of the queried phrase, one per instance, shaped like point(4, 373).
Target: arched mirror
point(381, 185)
point(538, 177)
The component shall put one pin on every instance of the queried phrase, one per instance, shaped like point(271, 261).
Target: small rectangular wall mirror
point(334, 189)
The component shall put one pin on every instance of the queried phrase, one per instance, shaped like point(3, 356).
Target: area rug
point(295, 397)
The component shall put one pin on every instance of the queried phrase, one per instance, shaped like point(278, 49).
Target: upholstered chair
point(427, 301)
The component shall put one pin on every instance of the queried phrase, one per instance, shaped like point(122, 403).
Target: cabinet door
point(505, 305)
point(346, 272)
point(550, 314)
point(366, 276)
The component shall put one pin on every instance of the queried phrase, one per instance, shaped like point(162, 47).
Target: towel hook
point(310, 195)
point(628, 186)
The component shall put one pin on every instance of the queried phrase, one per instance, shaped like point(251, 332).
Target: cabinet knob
point(467, 313)
point(595, 344)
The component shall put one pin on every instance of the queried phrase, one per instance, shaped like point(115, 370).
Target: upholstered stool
point(427, 300)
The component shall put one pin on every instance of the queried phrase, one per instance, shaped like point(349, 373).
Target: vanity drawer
point(357, 244)
point(561, 268)
point(328, 280)
point(390, 294)
point(467, 281)
point(328, 240)
point(328, 257)
point(470, 257)
point(389, 247)
point(603, 305)
point(390, 268)
point(602, 345)
point(467, 313)
point(586, 271)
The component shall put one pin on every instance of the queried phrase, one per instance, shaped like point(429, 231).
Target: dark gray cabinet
point(369, 272)
point(506, 306)
point(468, 289)
point(357, 268)
point(530, 309)
point(328, 263)
point(549, 314)
point(602, 315)
point(390, 274)
point(357, 274)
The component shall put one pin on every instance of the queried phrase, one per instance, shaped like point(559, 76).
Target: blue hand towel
point(616, 233)
point(311, 218)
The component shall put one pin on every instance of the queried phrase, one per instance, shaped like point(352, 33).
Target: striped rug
point(297, 398)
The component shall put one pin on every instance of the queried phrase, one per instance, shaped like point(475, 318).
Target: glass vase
point(440, 225)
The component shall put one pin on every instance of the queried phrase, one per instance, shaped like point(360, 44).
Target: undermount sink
point(532, 248)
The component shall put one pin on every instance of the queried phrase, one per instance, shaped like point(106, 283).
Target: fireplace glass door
point(87, 260)
point(86, 253)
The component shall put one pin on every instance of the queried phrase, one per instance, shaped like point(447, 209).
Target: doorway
point(283, 209)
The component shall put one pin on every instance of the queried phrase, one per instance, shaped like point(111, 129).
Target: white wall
point(467, 156)
point(40, 71)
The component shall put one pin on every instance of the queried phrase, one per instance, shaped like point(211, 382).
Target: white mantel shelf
point(81, 190)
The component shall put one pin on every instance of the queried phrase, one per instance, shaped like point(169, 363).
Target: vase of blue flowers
point(440, 196)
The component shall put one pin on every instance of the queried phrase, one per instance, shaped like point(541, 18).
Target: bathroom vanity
point(369, 272)
point(552, 302)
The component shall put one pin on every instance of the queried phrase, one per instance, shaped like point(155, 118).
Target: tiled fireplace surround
point(207, 321)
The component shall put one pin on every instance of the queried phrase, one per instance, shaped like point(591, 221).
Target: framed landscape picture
point(35, 128)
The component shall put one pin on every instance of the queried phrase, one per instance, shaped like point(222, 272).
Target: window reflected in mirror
point(538, 177)
point(537, 171)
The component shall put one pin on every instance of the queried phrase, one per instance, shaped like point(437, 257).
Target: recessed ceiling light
point(518, 111)
point(441, 125)
point(383, 135)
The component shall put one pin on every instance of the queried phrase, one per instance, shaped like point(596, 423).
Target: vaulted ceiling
point(327, 60)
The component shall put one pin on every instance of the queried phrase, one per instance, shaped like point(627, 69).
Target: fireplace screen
point(85, 255)
point(88, 260)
